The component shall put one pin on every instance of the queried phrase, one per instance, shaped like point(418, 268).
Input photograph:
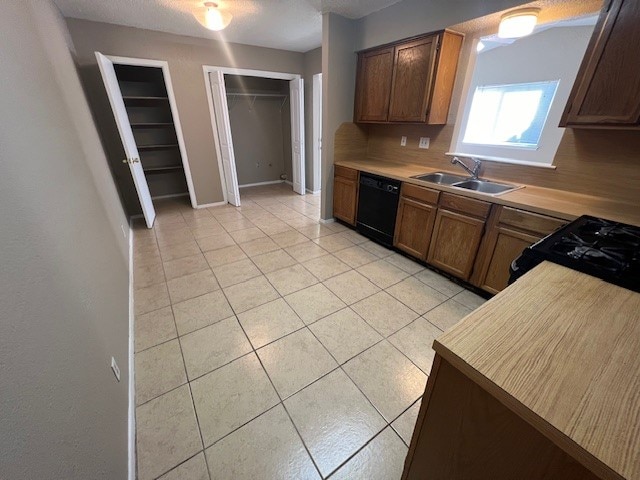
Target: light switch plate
point(403, 141)
point(424, 142)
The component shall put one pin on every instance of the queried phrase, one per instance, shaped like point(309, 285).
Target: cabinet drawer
point(466, 205)
point(345, 172)
point(420, 193)
point(532, 222)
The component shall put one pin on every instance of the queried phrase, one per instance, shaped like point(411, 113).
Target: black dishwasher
point(377, 206)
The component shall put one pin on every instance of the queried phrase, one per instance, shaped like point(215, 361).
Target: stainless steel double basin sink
point(477, 185)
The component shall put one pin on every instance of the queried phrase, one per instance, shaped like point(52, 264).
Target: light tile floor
point(270, 346)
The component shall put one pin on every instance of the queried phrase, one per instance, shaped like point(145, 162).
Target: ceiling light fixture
point(518, 23)
point(214, 18)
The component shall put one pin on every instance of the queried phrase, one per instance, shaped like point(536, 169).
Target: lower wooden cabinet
point(457, 234)
point(455, 242)
point(509, 232)
point(345, 194)
point(415, 219)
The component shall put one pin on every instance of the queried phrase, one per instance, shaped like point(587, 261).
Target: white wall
point(64, 275)
point(552, 54)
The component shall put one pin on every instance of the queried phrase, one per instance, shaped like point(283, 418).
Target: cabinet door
point(607, 88)
point(414, 226)
point(412, 80)
point(507, 246)
point(455, 241)
point(345, 199)
point(373, 87)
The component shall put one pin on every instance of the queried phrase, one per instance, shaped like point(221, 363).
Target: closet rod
point(255, 95)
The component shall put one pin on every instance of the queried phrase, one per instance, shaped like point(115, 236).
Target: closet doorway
point(258, 123)
point(141, 96)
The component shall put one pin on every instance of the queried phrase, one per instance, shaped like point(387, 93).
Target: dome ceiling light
point(214, 18)
point(518, 23)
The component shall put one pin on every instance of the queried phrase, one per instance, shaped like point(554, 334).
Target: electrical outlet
point(424, 142)
point(403, 141)
point(124, 232)
point(114, 367)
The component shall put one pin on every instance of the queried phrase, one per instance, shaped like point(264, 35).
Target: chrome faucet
point(474, 172)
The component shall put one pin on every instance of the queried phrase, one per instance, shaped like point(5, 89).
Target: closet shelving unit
point(147, 104)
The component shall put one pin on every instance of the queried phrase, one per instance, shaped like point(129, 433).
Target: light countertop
point(556, 203)
point(562, 350)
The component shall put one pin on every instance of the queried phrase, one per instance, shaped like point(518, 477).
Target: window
point(509, 115)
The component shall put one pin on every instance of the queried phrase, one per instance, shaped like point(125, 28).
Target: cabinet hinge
point(438, 45)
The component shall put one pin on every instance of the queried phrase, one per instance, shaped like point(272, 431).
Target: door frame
point(143, 62)
point(216, 126)
point(316, 143)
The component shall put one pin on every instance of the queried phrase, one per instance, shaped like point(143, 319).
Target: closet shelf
point(152, 124)
point(140, 97)
point(162, 169)
point(156, 147)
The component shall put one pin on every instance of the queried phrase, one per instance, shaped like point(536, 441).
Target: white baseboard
point(131, 432)
point(208, 205)
point(288, 182)
point(313, 192)
point(270, 182)
point(328, 220)
point(136, 216)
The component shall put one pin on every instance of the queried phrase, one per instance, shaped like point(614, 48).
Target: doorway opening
point(258, 123)
point(317, 134)
point(141, 96)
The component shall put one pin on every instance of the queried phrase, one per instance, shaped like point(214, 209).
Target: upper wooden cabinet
point(345, 194)
point(375, 70)
point(409, 81)
point(606, 92)
point(509, 232)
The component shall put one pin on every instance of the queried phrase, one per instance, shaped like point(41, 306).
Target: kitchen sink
point(441, 178)
point(484, 186)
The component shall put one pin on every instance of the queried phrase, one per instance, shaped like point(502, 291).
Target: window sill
point(511, 161)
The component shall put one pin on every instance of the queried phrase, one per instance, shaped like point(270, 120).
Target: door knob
point(126, 160)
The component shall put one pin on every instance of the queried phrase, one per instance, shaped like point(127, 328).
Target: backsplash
point(603, 163)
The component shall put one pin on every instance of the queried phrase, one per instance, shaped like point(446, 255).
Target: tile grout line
point(305, 325)
point(193, 403)
point(254, 351)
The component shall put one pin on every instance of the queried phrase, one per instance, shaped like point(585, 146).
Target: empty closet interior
point(147, 103)
point(260, 117)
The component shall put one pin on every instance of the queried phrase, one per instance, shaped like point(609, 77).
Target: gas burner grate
point(602, 248)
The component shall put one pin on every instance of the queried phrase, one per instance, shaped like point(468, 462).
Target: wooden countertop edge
point(563, 442)
point(573, 198)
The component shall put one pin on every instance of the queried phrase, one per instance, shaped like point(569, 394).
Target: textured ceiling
point(550, 11)
point(285, 24)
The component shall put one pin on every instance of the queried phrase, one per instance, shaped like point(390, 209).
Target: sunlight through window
point(509, 115)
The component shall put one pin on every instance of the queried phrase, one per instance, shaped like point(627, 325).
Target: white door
point(296, 94)
point(317, 130)
point(223, 124)
point(126, 135)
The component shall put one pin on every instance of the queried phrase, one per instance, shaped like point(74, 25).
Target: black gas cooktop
point(603, 248)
